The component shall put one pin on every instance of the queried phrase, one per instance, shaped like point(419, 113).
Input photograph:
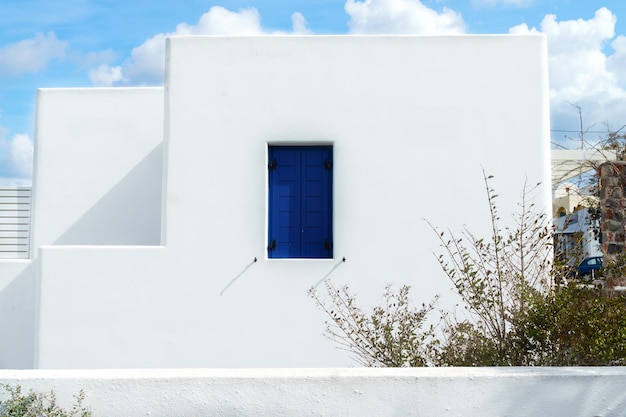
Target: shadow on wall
point(576, 393)
point(18, 310)
point(129, 214)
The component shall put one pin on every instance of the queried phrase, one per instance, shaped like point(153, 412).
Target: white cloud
point(299, 24)
point(581, 73)
point(16, 159)
point(105, 76)
point(401, 17)
point(522, 29)
point(91, 59)
point(616, 63)
point(31, 55)
point(220, 21)
point(21, 154)
point(491, 3)
point(145, 65)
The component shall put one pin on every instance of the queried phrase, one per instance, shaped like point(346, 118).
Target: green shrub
point(571, 326)
point(515, 313)
point(389, 335)
point(35, 404)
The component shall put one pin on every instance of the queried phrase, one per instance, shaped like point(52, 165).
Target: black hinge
point(328, 245)
point(272, 245)
point(272, 165)
point(328, 164)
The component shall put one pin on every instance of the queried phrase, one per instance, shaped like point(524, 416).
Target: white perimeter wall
point(423, 392)
point(412, 121)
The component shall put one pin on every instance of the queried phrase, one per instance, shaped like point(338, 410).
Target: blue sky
point(70, 43)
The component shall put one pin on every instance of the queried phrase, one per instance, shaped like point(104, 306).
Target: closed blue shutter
point(300, 202)
point(284, 205)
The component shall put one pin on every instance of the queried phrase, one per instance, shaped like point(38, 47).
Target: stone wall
point(613, 211)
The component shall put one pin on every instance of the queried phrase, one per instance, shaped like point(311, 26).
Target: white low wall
point(339, 392)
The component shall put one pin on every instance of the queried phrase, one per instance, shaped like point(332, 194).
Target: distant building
point(577, 233)
point(574, 227)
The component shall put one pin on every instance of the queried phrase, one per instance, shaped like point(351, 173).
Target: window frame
point(275, 249)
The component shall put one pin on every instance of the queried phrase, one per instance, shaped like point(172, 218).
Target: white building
point(575, 236)
point(158, 213)
point(574, 227)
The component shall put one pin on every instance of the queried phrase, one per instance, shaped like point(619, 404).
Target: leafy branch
point(390, 335)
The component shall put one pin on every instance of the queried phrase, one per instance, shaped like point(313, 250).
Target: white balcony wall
point(97, 180)
point(98, 166)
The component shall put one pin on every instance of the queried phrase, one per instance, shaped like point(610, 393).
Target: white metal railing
point(15, 209)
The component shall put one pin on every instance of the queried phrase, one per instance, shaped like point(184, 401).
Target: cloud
point(581, 72)
point(221, 21)
point(31, 55)
point(616, 63)
point(105, 76)
point(492, 3)
point(92, 59)
point(299, 24)
point(16, 159)
point(401, 17)
point(145, 65)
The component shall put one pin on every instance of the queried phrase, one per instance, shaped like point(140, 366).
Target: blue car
point(589, 266)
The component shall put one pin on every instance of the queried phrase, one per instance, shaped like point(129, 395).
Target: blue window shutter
point(300, 202)
point(285, 179)
point(316, 203)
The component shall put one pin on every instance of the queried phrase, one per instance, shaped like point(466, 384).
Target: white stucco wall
point(97, 180)
point(18, 313)
point(479, 392)
point(412, 120)
point(98, 166)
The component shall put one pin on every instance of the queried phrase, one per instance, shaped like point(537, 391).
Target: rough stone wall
point(613, 209)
